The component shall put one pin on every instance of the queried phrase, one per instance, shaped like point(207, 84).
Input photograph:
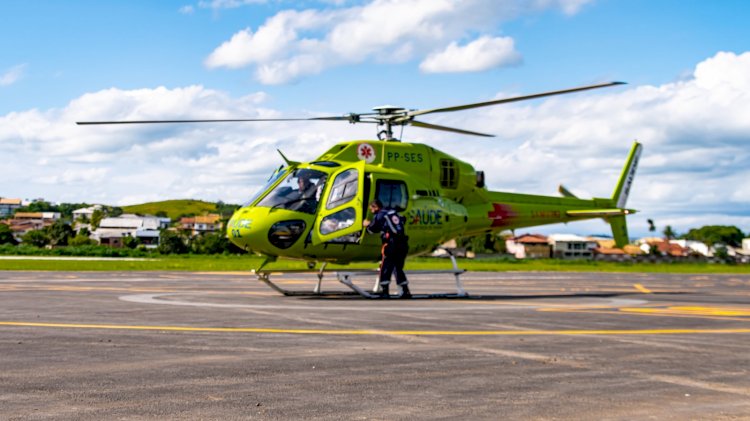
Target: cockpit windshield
point(272, 179)
point(300, 191)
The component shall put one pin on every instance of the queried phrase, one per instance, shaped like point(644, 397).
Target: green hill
point(173, 208)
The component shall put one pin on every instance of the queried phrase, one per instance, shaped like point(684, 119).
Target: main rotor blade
point(513, 99)
point(447, 129)
point(333, 118)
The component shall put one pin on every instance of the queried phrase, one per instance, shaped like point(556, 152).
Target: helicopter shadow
point(489, 297)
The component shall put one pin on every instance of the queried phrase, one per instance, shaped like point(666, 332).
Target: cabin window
point(392, 194)
point(344, 188)
point(448, 174)
point(338, 221)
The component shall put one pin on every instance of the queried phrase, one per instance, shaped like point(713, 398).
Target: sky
point(687, 65)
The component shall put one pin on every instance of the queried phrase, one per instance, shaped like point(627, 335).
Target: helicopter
point(314, 211)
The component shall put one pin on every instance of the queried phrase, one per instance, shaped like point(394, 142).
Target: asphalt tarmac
point(144, 345)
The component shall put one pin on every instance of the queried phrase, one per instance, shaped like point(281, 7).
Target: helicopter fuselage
point(314, 211)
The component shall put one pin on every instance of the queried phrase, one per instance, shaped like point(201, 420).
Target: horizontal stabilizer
point(599, 213)
point(565, 192)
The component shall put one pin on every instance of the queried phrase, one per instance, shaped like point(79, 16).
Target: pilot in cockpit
point(307, 190)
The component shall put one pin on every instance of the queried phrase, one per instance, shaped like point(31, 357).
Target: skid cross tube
point(265, 277)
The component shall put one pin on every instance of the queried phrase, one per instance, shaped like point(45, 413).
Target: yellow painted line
point(673, 315)
point(386, 332)
point(642, 289)
point(86, 289)
point(226, 273)
point(700, 311)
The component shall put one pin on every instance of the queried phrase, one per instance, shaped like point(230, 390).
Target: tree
point(59, 233)
point(669, 233)
point(717, 234)
point(171, 243)
point(37, 238)
point(225, 209)
point(6, 235)
point(209, 244)
point(66, 209)
point(81, 240)
point(39, 206)
point(131, 242)
point(96, 218)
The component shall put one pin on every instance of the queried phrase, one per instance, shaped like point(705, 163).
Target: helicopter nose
point(264, 231)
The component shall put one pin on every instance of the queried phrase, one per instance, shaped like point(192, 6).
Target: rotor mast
point(386, 116)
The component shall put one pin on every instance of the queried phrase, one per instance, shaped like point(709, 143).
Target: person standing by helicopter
point(390, 225)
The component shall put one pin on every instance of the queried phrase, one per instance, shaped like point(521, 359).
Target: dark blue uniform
point(390, 225)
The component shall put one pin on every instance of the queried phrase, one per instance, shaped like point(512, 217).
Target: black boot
point(405, 293)
point(384, 292)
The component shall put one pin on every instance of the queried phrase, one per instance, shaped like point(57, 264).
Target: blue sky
point(63, 61)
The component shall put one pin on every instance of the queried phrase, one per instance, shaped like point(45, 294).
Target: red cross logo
point(366, 153)
point(500, 215)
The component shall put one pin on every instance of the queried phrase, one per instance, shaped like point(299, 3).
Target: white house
point(569, 246)
point(113, 230)
point(694, 246)
point(85, 212)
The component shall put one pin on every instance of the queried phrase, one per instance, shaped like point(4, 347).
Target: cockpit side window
point(300, 191)
point(344, 188)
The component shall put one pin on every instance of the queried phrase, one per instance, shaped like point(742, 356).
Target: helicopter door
point(342, 212)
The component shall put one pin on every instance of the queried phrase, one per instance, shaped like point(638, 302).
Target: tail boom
point(512, 210)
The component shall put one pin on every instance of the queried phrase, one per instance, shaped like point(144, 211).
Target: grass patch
point(231, 263)
point(173, 208)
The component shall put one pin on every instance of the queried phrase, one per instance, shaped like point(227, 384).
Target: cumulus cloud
point(59, 160)
point(293, 44)
point(482, 54)
point(12, 75)
point(693, 172)
point(696, 134)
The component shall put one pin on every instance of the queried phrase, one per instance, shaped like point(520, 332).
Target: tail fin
point(622, 191)
point(620, 196)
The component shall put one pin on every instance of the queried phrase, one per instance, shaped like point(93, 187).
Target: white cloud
point(481, 54)
point(12, 75)
point(293, 44)
point(228, 4)
point(187, 10)
point(694, 168)
point(265, 45)
point(59, 160)
point(696, 134)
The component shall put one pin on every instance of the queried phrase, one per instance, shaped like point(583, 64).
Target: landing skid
point(265, 277)
point(345, 277)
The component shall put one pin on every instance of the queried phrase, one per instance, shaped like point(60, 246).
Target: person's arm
point(376, 225)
